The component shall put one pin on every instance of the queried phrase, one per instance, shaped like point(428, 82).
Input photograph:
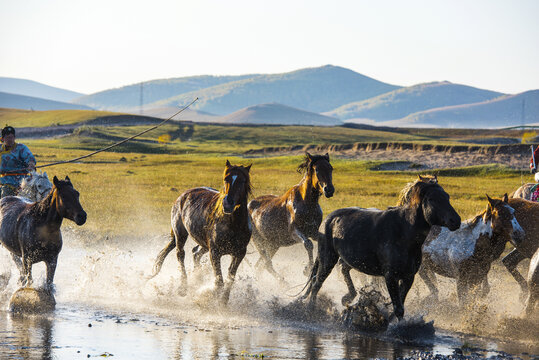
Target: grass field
point(129, 191)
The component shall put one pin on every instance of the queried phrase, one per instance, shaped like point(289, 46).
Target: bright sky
point(89, 46)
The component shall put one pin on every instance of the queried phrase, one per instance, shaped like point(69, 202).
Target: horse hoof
point(30, 300)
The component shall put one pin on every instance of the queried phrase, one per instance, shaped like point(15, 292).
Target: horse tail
point(162, 255)
point(310, 281)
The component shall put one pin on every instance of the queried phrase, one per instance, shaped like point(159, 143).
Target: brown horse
point(31, 231)
point(382, 242)
point(293, 217)
point(218, 221)
point(527, 214)
point(467, 253)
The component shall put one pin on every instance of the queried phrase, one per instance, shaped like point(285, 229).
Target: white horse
point(35, 187)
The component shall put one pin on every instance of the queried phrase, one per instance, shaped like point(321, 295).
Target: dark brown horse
point(466, 254)
point(218, 221)
point(293, 217)
point(31, 231)
point(527, 214)
point(382, 242)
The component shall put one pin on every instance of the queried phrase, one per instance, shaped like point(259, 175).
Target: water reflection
point(26, 337)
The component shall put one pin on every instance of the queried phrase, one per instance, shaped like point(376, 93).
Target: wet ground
point(107, 308)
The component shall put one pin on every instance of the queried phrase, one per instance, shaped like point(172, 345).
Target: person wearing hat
point(17, 162)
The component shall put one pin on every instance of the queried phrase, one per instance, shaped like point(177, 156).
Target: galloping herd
point(423, 233)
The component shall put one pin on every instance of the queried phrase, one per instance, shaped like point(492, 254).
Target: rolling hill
point(504, 111)
point(127, 98)
point(405, 101)
point(36, 89)
point(14, 101)
point(277, 114)
point(313, 89)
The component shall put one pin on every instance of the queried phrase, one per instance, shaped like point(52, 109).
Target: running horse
point(31, 231)
point(293, 217)
point(466, 254)
point(218, 221)
point(527, 214)
point(382, 242)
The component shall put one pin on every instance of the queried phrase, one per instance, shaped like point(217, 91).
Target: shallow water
point(106, 287)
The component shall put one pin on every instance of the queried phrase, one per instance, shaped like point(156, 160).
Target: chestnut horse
point(218, 221)
point(466, 254)
point(293, 217)
point(31, 231)
point(382, 242)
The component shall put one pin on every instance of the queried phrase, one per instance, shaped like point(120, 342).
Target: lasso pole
point(118, 143)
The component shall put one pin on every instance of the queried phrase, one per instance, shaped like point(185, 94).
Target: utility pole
point(141, 98)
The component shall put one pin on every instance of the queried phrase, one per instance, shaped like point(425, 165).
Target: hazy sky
point(89, 46)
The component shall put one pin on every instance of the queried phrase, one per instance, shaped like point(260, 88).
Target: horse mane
point(308, 163)
point(405, 193)
point(41, 208)
point(417, 192)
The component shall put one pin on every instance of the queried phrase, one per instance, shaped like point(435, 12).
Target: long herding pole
point(118, 143)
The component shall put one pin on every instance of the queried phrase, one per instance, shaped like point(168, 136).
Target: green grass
point(129, 191)
point(28, 118)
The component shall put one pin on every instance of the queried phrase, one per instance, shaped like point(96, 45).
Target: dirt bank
point(415, 156)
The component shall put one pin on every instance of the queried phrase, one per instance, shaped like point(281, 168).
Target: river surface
point(106, 307)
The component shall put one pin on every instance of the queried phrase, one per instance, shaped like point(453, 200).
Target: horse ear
point(505, 198)
point(436, 179)
point(45, 175)
point(248, 167)
point(327, 156)
point(55, 181)
point(227, 163)
point(490, 201)
point(309, 156)
point(419, 177)
point(67, 178)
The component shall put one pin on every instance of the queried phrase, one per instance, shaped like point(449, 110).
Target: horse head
point(321, 173)
point(237, 186)
point(68, 205)
point(502, 217)
point(434, 201)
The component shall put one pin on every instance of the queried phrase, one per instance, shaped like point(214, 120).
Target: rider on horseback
point(17, 162)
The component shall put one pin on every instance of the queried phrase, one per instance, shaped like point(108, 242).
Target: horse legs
point(398, 292)
point(27, 271)
point(180, 235)
point(215, 258)
point(345, 270)
point(233, 268)
point(51, 269)
point(18, 262)
point(198, 252)
point(429, 278)
point(511, 261)
point(301, 238)
point(324, 265)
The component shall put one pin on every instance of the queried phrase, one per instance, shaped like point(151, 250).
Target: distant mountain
point(505, 111)
point(35, 89)
point(279, 115)
point(405, 101)
point(127, 98)
point(313, 89)
point(15, 101)
point(187, 114)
